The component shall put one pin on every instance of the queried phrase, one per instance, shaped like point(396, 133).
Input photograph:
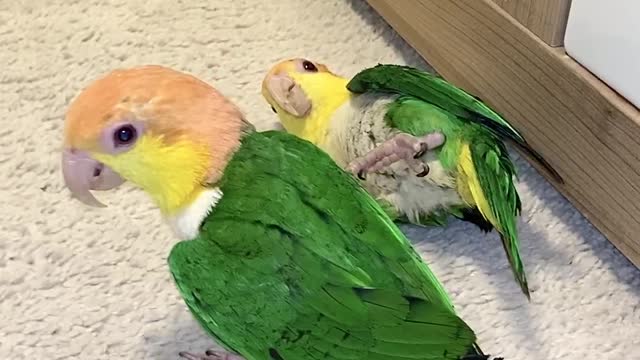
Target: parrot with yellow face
point(424, 148)
point(282, 254)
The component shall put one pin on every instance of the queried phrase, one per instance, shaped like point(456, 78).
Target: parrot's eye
point(121, 136)
point(308, 65)
point(274, 110)
point(125, 135)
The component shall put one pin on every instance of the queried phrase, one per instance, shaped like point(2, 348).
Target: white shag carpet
point(79, 283)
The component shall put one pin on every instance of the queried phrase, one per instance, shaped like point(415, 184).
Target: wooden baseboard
point(545, 18)
point(585, 130)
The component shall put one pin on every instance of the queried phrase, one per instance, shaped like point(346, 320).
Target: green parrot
point(283, 255)
point(381, 125)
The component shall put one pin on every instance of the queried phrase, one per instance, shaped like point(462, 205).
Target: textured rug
point(79, 283)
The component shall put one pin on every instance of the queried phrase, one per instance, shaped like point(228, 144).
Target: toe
point(434, 140)
point(353, 168)
point(428, 142)
point(424, 172)
point(418, 167)
point(422, 149)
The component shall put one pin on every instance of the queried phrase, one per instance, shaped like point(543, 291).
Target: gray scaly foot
point(210, 354)
point(400, 147)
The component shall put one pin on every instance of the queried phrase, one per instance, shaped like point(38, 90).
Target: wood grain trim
point(545, 18)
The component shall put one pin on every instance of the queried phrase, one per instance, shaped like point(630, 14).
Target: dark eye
point(274, 110)
point(308, 65)
point(125, 135)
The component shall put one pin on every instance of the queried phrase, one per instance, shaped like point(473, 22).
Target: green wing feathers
point(475, 134)
point(495, 195)
point(298, 262)
point(404, 80)
point(359, 323)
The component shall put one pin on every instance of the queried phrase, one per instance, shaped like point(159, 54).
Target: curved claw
point(423, 149)
point(424, 172)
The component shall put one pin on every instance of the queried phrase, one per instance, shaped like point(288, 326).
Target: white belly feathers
point(356, 128)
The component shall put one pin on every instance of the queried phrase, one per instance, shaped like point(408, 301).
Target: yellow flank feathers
point(152, 164)
point(327, 93)
point(469, 185)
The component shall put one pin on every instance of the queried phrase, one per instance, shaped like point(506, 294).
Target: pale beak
point(83, 174)
point(288, 94)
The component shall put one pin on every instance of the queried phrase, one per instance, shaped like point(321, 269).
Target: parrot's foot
point(210, 354)
point(400, 147)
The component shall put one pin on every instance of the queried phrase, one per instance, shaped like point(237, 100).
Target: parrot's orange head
point(165, 131)
point(304, 94)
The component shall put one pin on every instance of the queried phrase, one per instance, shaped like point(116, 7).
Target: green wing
point(474, 149)
point(298, 262)
point(404, 80)
point(494, 192)
point(485, 173)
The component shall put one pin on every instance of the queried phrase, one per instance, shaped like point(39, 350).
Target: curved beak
point(288, 94)
point(83, 174)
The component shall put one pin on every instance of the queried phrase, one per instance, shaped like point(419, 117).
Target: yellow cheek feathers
point(327, 93)
point(172, 174)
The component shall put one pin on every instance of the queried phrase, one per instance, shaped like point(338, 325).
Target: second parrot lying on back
point(382, 124)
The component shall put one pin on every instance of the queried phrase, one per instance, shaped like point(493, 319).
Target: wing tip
point(517, 267)
point(544, 163)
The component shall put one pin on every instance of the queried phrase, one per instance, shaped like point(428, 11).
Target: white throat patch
point(186, 223)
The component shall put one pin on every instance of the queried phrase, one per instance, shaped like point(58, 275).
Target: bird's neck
point(314, 126)
point(187, 221)
point(190, 170)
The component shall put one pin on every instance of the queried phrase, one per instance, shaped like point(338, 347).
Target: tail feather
point(517, 267)
point(486, 179)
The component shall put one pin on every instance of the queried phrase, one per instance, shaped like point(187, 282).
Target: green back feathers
point(297, 261)
point(405, 80)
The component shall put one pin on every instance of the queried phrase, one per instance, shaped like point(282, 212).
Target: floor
point(78, 283)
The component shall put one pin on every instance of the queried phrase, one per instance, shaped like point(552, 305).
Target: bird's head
point(164, 131)
point(304, 94)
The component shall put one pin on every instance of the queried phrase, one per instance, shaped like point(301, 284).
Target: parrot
point(424, 148)
point(280, 254)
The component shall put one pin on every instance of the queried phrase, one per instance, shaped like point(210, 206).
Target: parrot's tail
point(476, 354)
point(510, 248)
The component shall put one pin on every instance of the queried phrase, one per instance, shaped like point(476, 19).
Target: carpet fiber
point(79, 283)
